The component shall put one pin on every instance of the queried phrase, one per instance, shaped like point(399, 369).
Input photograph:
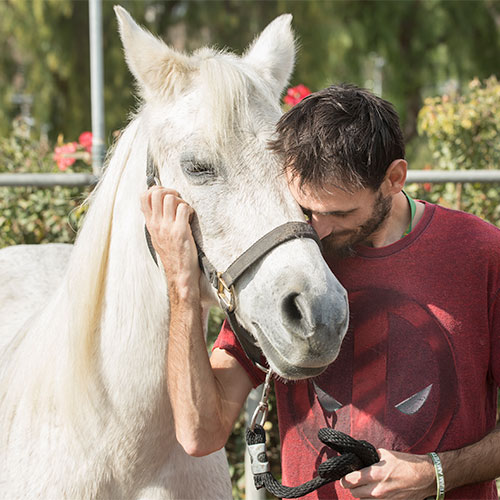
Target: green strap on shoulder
point(413, 209)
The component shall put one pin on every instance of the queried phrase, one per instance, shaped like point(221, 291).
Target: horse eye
point(198, 171)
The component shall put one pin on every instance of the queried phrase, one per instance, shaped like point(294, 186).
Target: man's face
point(343, 219)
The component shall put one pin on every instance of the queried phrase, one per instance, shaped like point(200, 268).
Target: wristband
point(438, 468)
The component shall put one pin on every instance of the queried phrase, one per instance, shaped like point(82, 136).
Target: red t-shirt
point(419, 368)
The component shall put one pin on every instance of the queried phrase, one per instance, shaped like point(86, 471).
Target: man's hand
point(167, 219)
point(396, 476)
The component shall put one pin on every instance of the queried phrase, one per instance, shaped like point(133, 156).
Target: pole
point(47, 180)
point(96, 85)
point(252, 493)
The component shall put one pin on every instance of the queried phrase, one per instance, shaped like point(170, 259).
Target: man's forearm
point(475, 463)
point(200, 424)
point(193, 389)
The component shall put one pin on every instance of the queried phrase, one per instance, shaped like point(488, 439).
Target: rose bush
point(66, 155)
point(34, 215)
point(295, 94)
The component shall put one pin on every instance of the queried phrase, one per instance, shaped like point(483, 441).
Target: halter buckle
point(225, 294)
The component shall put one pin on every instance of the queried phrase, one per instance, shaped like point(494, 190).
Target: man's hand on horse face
point(168, 220)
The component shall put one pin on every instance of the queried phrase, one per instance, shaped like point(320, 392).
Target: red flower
point(63, 155)
point(295, 94)
point(428, 185)
point(85, 141)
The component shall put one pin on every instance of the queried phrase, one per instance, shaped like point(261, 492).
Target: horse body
point(29, 274)
point(84, 407)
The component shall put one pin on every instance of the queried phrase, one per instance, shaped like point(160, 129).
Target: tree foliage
point(421, 43)
point(463, 127)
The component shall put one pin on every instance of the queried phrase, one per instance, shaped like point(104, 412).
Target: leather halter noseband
point(224, 282)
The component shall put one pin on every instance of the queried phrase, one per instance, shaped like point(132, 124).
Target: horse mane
point(58, 344)
point(227, 85)
point(86, 283)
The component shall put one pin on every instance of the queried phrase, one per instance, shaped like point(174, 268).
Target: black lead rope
point(353, 454)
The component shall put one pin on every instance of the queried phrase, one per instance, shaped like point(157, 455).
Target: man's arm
point(206, 394)
point(412, 477)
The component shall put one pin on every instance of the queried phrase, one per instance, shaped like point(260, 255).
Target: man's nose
point(322, 225)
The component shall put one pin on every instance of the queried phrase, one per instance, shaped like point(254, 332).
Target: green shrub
point(33, 215)
point(462, 129)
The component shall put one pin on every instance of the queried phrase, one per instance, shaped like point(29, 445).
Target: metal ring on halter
point(263, 368)
point(262, 407)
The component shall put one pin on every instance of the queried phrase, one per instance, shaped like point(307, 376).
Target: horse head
point(209, 117)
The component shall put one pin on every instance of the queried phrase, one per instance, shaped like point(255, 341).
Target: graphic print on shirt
point(394, 384)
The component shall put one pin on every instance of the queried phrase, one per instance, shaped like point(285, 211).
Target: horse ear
point(272, 53)
point(159, 69)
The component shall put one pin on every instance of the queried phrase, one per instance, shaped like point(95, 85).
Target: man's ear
point(395, 176)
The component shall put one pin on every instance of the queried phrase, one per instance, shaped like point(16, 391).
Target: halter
point(224, 282)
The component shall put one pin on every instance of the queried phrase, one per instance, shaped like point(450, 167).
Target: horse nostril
point(291, 309)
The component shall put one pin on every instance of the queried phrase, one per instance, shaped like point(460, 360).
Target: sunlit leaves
point(463, 132)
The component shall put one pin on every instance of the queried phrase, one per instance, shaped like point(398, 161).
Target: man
point(419, 369)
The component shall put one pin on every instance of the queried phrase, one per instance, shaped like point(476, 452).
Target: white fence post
point(96, 85)
point(251, 493)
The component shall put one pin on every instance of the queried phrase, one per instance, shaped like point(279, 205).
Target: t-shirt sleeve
point(228, 341)
point(495, 339)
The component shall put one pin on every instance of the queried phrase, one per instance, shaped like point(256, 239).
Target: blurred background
point(407, 51)
point(435, 60)
point(404, 50)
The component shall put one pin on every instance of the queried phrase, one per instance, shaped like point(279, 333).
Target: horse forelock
point(228, 88)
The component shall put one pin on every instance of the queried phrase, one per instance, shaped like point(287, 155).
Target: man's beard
point(346, 248)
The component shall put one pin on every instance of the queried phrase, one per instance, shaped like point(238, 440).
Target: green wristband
point(438, 468)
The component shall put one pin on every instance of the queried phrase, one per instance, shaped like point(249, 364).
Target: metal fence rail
point(47, 180)
point(440, 176)
point(420, 176)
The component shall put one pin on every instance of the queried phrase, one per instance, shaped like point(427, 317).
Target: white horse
point(84, 411)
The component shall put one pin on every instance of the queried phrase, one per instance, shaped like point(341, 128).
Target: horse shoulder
point(29, 274)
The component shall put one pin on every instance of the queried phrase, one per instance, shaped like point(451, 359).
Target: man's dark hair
point(342, 135)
